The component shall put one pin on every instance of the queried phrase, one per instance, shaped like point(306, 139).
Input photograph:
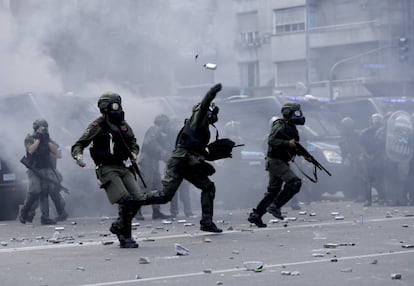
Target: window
point(248, 28)
point(249, 74)
point(249, 38)
point(289, 20)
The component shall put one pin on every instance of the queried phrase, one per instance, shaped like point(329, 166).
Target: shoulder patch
point(124, 128)
point(94, 123)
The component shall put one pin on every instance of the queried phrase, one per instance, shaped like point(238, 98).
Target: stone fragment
point(208, 270)
point(346, 270)
point(330, 245)
point(396, 276)
point(284, 272)
point(143, 260)
point(253, 265)
point(181, 250)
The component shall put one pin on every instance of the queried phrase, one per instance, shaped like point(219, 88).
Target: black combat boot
point(255, 218)
point(275, 211)
point(47, 221)
point(62, 216)
point(210, 227)
point(124, 240)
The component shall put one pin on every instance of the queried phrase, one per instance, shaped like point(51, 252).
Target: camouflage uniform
point(40, 159)
point(188, 162)
point(111, 146)
point(279, 154)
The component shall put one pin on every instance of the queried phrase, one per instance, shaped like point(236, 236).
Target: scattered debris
point(407, 246)
point(188, 224)
point(137, 276)
point(318, 254)
point(181, 221)
point(396, 276)
point(255, 266)
point(219, 283)
point(334, 213)
point(206, 239)
point(59, 228)
point(80, 268)
point(108, 242)
point(375, 261)
point(181, 250)
point(73, 223)
point(312, 214)
point(275, 220)
point(339, 217)
point(347, 244)
point(290, 218)
point(284, 272)
point(295, 273)
point(346, 270)
point(209, 270)
point(3, 243)
point(144, 260)
point(230, 228)
point(235, 252)
point(330, 245)
point(334, 259)
point(166, 221)
point(148, 239)
point(135, 224)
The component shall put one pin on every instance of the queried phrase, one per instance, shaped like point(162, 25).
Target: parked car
point(12, 190)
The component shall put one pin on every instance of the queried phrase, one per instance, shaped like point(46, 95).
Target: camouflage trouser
point(39, 190)
point(121, 188)
point(194, 171)
point(279, 173)
point(152, 177)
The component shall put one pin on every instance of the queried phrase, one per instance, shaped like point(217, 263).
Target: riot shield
point(399, 137)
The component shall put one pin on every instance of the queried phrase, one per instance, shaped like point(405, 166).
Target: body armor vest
point(41, 158)
point(285, 132)
point(193, 140)
point(108, 147)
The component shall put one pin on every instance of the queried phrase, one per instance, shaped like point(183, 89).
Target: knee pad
point(294, 185)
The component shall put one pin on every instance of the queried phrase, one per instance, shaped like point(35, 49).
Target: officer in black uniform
point(188, 161)
point(281, 150)
point(113, 142)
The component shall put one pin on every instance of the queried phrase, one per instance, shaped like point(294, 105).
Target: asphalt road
point(341, 243)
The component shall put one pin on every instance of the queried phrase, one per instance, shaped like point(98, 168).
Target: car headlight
point(332, 157)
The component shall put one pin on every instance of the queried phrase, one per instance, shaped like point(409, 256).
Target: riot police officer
point(188, 161)
point(281, 150)
point(113, 142)
point(154, 149)
point(39, 149)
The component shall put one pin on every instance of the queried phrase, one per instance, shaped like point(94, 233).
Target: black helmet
point(161, 120)
point(40, 122)
point(292, 111)
point(109, 100)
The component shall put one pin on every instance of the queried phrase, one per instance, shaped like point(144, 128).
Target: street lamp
point(335, 65)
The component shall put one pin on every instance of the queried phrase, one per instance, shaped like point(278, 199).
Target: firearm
point(26, 162)
point(134, 164)
point(302, 151)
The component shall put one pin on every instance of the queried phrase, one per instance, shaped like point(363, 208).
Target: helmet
point(40, 122)
point(110, 105)
point(109, 100)
point(376, 119)
point(161, 120)
point(291, 110)
point(347, 125)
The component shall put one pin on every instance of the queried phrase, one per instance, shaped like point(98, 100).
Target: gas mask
point(212, 114)
point(110, 105)
point(291, 111)
point(298, 118)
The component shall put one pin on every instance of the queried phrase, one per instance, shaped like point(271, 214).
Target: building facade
point(328, 48)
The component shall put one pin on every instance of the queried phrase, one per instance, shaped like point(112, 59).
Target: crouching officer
point(281, 150)
point(113, 142)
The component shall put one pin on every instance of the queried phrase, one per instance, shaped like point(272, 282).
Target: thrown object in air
point(210, 66)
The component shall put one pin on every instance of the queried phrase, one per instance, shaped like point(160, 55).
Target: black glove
point(44, 137)
point(216, 88)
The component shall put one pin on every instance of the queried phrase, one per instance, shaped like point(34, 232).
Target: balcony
point(354, 33)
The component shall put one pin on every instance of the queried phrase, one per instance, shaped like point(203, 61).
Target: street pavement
point(325, 243)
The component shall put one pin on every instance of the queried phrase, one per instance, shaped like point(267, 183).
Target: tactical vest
point(41, 157)
point(108, 147)
point(193, 140)
point(285, 132)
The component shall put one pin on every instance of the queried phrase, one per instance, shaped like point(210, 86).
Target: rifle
point(26, 162)
point(131, 158)
point(302, 151)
